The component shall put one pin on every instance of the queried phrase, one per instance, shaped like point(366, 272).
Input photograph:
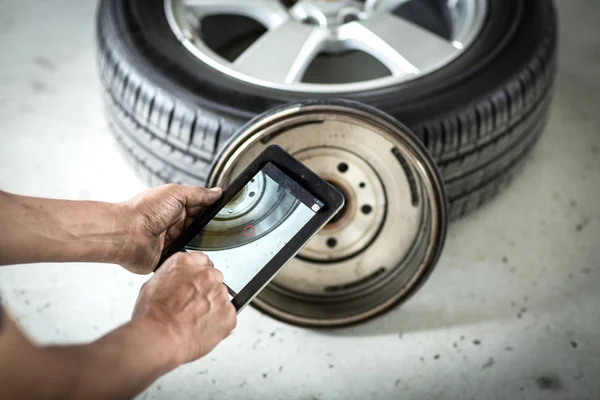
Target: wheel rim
point(381, 254)
point(329, 46)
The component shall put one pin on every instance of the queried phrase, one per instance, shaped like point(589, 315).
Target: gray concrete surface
point(512, 311)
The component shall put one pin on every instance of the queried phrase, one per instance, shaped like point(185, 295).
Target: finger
point(188, 222)
point(224, 292)
point(193, 211)
point(194, 196)
point(204, 261)
point(191, 217)
point(173, 232)
point(197, 258)
point(217, 275)
point(219, 294)
point(177, 259)
point(230, 317)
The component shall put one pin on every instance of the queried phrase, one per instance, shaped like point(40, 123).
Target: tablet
point(267, 214)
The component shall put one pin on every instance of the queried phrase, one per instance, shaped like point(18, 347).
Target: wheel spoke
point(403, 47)
point(268, 12)
point(282, 54)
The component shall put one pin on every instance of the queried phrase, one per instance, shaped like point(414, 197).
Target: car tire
point(479, 117)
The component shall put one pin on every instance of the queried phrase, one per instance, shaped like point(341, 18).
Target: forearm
point(117, 366)
point(120, 365)
point(45, 230)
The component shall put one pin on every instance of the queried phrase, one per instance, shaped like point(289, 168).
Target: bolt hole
point(362, 185)
point(366, 209)
point(251, 194)
point(342, 167)
point(331, 243)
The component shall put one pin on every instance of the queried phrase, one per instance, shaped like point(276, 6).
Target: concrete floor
point(512, 311)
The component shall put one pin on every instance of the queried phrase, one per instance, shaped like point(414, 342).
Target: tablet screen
point(255, 225)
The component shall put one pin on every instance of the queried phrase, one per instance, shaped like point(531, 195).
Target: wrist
point(123, 243)
point(103, 234)
point(164, 340)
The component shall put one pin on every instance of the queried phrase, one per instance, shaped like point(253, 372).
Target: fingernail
point(216, 189)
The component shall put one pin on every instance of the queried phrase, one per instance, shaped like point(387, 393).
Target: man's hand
point(182, 313)
point(187, 299)
point(132, 234)
point(158, 217)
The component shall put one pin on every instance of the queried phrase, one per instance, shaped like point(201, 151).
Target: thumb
point(199, 196)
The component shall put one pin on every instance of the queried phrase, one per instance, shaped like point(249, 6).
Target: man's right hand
point(187, 300)
point(182, 313)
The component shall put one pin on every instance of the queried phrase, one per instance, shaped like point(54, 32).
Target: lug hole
point(362, 185)
point(342, 167)
point(331, 243)
point(251, 194)
point(366, 209)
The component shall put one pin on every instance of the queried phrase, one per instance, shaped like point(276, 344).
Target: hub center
point(328, 13)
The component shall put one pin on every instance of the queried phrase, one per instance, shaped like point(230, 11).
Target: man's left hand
point(158, 217)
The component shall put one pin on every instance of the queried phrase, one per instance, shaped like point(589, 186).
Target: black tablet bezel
point(332, 199)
